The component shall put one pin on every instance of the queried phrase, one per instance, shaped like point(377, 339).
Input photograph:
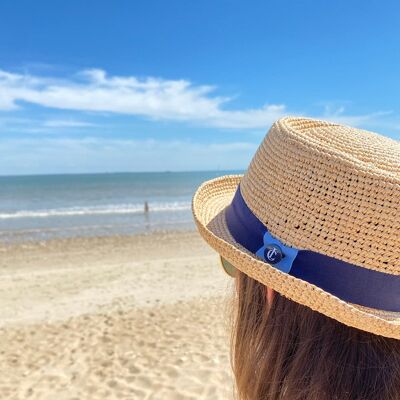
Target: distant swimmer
point(146, 207)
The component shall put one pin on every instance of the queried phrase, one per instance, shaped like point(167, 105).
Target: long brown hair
point(286, 351)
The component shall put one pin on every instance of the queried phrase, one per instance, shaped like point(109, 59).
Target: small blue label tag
point(274, 252)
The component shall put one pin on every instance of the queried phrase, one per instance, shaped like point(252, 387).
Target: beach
point(143, 316)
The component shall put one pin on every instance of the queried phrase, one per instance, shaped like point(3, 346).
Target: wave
point(97, 210)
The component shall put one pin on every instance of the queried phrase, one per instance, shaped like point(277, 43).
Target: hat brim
point(208, 206)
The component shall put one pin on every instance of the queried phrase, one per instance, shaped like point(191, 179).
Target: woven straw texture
point(323, 187)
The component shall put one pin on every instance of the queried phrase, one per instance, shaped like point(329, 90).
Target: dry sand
point(140, 317)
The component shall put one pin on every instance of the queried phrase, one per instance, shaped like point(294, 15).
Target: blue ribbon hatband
point(351, 283)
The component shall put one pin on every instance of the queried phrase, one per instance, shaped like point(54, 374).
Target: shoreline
point(78, 241)
point(41, 235)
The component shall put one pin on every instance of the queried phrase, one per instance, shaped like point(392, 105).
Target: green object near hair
point(228, 268)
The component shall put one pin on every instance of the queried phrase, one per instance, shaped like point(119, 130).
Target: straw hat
point(316, 217)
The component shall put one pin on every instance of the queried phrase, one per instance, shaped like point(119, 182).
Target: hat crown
point(329, 188)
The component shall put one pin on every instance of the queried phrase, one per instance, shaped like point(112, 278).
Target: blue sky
point(93, 86)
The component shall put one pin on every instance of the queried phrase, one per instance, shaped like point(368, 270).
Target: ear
point(270, 293)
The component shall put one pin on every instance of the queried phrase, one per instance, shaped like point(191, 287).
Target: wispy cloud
point(175, 100)
point(338, 114)
point(26, 125)
point(67, 123)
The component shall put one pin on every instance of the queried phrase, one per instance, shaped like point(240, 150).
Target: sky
point(106, 86)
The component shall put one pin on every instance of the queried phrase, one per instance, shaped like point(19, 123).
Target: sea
point(43, 207)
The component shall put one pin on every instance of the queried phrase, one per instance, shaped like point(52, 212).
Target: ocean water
point(52, 206)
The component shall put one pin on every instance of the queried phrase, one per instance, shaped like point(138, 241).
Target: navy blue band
point(346, 281)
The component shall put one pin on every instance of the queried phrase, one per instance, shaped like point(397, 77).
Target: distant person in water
point(310, 235)
point(146, 207)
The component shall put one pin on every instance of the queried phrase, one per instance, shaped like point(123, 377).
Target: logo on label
point(277, 253)
point(273, 253)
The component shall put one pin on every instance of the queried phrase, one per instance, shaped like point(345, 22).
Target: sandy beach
point(120, 317)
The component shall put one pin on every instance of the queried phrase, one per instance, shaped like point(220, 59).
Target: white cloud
point(10, 124)
point(159, 99)
point(93, 90)
point(59, 155)
point(67, 123)
point(338, 115)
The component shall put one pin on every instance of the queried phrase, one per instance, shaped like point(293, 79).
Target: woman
point(311, 234)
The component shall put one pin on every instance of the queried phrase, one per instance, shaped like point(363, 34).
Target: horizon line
point(119, 172)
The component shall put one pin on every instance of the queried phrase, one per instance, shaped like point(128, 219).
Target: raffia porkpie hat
point(316, 217)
